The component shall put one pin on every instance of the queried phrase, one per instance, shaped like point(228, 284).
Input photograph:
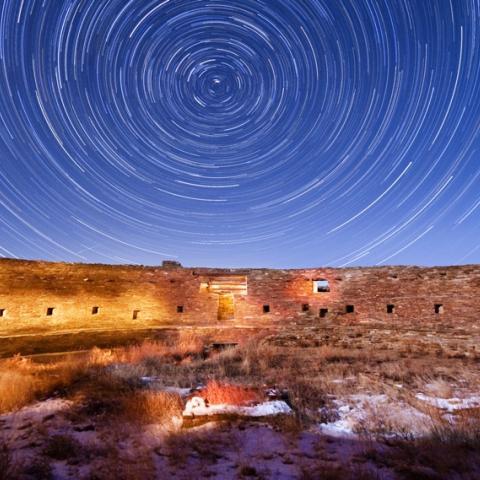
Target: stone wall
point(172, 296)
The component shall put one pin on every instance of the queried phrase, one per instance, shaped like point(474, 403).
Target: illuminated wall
point(102, 296)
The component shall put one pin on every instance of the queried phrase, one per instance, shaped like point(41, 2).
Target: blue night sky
point(282, 133)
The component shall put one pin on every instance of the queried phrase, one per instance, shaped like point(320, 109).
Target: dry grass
point(107, 392)
point(185, 345)
point(463, 429)
point(109, 459)
point(22, 381)
point(226, 393)
point(309, 374)
point(439, 388)
point(152, 407)
point(451, 449)
point(16, 390)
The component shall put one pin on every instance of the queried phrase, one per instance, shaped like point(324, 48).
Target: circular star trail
point(251, 132)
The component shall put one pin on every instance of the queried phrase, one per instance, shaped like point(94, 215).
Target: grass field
point(355, 413)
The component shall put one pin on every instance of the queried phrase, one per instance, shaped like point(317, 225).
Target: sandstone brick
point(28, 289)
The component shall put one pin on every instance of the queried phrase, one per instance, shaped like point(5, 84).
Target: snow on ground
point(155, 383)
point(196, 406)
point(231, 446)
point(35, 413)
point(450, 404)
point(266, 453)
point(378, 413)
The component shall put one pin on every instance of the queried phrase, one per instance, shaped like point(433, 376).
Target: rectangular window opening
point(136, 313)
point(305, 307)
point(180, 309)
point(439, 308)
point(266, 309)
point(350, 309)
point(323, 312)
point(95, 310)
point(3, 312)
point(50, 311)
point(390, 308)
point(321, 285)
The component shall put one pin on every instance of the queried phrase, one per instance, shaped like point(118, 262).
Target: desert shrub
point(188, 343)
point(22, 381)
point(287, 424)
point(18, 384)
point(378, 424)
point(184, 345)
point(152, 407)
point(100, 395)
point(450, 450)
point(227, 393)
point(138, 353)
point(307, 398)
point(228, 363)
point(260, 358)
point(462, 430)
point(101, 357)
point(331, 354)
point(17, 388)
point(426, 458)
point(439, 387)
point(60, 376)
point(129, 373)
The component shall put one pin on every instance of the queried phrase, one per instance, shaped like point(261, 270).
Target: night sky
point(282, 133)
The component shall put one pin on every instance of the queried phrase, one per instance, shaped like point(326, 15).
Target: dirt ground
point(349, 413)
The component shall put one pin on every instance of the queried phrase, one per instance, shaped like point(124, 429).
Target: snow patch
point(39, 410)
point(156, 384)
point(196, 406)
point(391, 417)
point(450, 404)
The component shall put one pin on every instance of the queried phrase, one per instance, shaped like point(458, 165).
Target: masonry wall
point(180, 296)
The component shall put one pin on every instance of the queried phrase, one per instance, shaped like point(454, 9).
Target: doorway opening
point(226, 307)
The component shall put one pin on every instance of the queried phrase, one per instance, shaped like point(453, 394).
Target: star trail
point(240, 133)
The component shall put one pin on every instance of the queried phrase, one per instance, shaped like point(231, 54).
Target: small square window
point(323, 312)
point(350, 309)
point(180, 309)
point(439, 308)
point(390, 308)
point(95, 310)
point(50, 311)
point(321, 285)
point(266, 309)
point(136, 313)
point(3, 312)
point(305, 307)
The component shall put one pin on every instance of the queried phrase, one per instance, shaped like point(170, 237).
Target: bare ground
point(357, 412)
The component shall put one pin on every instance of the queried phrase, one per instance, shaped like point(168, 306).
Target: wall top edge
point(4, 262)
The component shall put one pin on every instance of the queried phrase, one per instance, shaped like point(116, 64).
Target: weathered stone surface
point(173, 296)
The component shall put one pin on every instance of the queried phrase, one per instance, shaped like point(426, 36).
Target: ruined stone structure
point(45, 297)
